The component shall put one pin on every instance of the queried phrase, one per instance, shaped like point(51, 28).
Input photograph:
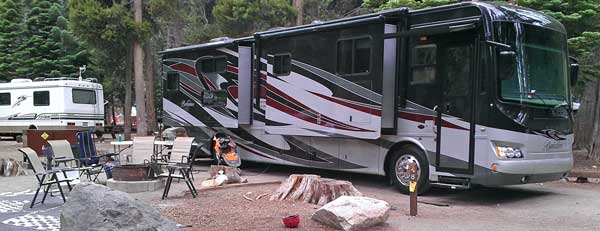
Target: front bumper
point(540, 166)
point(521, 171)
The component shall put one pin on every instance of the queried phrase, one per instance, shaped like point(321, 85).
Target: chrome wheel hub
point(403, 168)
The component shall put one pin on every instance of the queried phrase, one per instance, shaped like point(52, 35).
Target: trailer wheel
point(398, 170)
point(19, 138)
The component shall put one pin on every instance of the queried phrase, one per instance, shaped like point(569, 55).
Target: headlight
point(506, 152)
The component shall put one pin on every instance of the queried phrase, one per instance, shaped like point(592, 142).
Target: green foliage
point(379, 5)
point(578, 16)
point(11, 34)
point(241, 17)
point(35, 41)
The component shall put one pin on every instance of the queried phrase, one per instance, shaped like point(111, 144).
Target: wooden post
point(413, 188)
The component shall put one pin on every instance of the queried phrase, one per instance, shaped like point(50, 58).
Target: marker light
point(506, 152)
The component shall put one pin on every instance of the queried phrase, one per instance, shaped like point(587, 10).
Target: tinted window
point(344, 57)
point(81, 96)
point(353, 56)
point(4, 98)
point(422, 87)
point(423, 66)
point(172, 81)
point(41, 98)
point(362, 55)
point(213, 65)
point(282, 65)
point(220, 64)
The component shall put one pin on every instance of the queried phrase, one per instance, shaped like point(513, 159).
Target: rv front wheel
point(399, 169)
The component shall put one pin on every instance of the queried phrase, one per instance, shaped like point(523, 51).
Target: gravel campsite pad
point(227, 209)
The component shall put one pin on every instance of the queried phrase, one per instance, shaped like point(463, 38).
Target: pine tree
point(11, 34)
point(49, 50)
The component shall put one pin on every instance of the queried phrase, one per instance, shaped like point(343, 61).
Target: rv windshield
point(536, 73)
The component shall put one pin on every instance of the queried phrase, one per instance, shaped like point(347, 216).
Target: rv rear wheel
point(398, 169)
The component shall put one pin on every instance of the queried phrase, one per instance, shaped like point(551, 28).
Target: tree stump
point(313, 189)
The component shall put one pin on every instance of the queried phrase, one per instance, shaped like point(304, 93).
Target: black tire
point(409, 152)
point(19, 138)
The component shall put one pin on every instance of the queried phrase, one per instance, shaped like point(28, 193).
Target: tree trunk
point(299, 5)
point(151, 116)
point(595, 153)
point(138, 68)
point(127, 101)
point(313, 189)
point(584, 133)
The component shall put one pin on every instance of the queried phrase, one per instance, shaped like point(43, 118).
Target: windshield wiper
point(532, 93)
point(562, 97)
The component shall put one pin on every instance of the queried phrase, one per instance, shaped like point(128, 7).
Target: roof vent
point(220, 39)
point(21, 81)
point(91, 80)
point(39, 79)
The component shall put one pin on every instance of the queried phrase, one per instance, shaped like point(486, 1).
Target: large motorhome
point(50, 103)
point(474, 93)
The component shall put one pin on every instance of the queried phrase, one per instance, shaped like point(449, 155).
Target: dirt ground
point(555, 205)
point(228, 210)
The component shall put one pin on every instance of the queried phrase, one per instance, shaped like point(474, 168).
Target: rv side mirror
point(214, 98)
point(574, 70)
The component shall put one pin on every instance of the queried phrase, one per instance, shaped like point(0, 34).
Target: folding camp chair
point(180, 161)
point(141, 150)
point(90, 158)
point(46, 178)
point(63, 154)
point(86, 145)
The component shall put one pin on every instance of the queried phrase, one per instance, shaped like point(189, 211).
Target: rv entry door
point(454, 112)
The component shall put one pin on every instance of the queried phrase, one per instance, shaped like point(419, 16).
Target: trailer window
point(423, 64)
point(4, 99)
point(172, 81)
point(81, 96)
point(282, 64)
point(354, 56)
point(41, 98)
point(212, 65)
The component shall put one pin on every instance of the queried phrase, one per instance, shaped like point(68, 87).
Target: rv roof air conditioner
point(21, 81)
point(220, 39)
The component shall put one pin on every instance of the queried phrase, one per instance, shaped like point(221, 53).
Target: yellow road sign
point(44, 136)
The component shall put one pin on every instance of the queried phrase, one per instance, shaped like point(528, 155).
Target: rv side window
point(172, 81)
point(423, 64)
point(81, 96)
point(282, 64)
point(4, 99)
point(41, 98)
point(354, 56)
point(213, 65)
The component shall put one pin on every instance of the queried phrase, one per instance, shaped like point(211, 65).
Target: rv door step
point(453, 182)
point(451, 186)
point(203, 159)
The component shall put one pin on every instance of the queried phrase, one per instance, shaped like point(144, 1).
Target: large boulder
point(353, 213)
point(96, 207)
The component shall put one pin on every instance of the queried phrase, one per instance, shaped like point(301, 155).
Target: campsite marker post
point(413, 188)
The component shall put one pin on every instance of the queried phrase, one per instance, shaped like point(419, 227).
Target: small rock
point(353, 213)
point(97, 207)
point(564, 180)
point(594, 166)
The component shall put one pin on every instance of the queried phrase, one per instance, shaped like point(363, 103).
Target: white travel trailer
point(51, 103)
